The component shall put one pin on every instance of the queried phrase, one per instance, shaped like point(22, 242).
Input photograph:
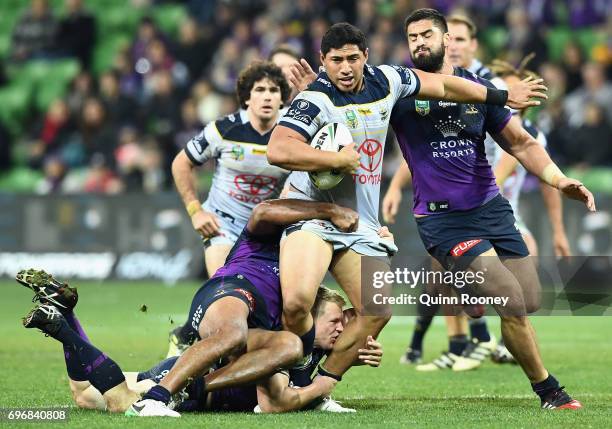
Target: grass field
point(577, 350)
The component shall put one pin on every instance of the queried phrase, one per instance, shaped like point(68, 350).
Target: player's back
point(243, 177)
point(366, 114)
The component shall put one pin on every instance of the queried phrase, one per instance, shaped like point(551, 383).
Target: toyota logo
point(254, 184)
point(373, 149)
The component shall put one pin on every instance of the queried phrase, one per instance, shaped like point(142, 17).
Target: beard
point(429, 63)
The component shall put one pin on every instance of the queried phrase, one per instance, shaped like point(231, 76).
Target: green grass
point(577, 350)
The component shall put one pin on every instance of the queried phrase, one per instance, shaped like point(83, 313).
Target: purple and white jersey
point(243, 177)
point(366, 115)
point(443, 144)
point(256, 258)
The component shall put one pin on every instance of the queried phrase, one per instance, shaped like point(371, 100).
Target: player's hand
point(348, 159)
point(575, 190)
point(561, 245)
point(205, 223)
point(384, 232)
point(391, 203)
point(301, 75)
point(372, 354)
point(324, 384)
point(347, 220)
point(519, 94)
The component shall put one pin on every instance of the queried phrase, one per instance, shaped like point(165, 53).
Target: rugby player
point(462, 219)
point(362, 97)
point(243, 176)
point(219, 390)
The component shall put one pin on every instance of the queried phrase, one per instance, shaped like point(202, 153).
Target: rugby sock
point(101, 371)
point(73, 364)
point(74, 323)
point(300, 374)
point(543, 388)
point(457, 343)
point(420, 328)
point(479, 329)
point(158, 393)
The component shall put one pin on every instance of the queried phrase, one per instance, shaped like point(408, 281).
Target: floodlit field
point(576, 350)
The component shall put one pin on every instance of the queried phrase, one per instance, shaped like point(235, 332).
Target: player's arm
point(504, 168)
point(276, 396)
point(393, 196)
point(515, 140)
point(452, 88)
point(270, 216)
point(554, 207)
point(290, 149)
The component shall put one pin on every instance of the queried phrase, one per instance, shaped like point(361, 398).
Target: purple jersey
point(256, 258)
point(443, 144)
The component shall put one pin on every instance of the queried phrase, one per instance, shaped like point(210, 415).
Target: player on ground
point(243, 176)
point(361, 96)
point(218, 391)
point(463, 221)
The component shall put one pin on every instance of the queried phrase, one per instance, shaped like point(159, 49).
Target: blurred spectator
point(128, 158)
point(34, 34)
point(81, 88)
point(226, 65)
point(208, 101)
point(52, 134)
point(55, 172)
point(190, 124)
point(122, 109)
point(595, 89)
point(147, 33)
point(152, 167)
point(77, 33)
point(588, 12)
point(130, 82)
point(524, 39)
point(98, 134)
point(191, 49)
point(589, 144)
point(572, 61)
point(100, 178)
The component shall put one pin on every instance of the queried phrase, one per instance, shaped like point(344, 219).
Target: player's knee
point(233, 340)
point(290, 346)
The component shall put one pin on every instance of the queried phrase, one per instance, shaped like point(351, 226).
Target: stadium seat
point(59, 75)
point(107, 49)
point(15, 103)
point(557, 38)
point(495, 38)
point(20, 179)
point(589, 38)
point(169, 17)
point(117, 18)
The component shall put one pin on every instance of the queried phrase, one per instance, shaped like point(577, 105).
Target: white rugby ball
point(331, 137)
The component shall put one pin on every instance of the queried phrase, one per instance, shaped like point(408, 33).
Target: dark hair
point(255, 72)
point(342, 34)
point(284, 49)
point(462, 19)
point(428, 14)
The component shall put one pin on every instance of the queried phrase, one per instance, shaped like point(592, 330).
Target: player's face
point(462, 48)
point(344, 67)
point(328, 325)
point(427, 45)
point(265, 99)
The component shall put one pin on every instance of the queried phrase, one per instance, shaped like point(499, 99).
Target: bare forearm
point(504, 168)
point(182, 172)
point(288, 211)
point(291, 399)
point(402, 176)
point(289, 150)
point(437, 86)
point(554, 206)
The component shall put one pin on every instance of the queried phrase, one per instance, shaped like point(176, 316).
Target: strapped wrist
point(193, 207)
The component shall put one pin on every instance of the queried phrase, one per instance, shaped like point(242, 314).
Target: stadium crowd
point(119, 128)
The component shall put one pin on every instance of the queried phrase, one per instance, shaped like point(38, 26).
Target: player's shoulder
point(469, 75)
point(230, 124)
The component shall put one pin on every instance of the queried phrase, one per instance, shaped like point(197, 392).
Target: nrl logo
point(432, 207)
point(470, 109)
point(351, 119)
point(422, 107)
point(237, 152)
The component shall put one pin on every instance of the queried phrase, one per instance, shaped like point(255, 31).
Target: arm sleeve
point(306, 114)
point(403, 81)
point(205, 145)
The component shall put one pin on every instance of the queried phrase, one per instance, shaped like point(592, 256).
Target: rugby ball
point(331, 137)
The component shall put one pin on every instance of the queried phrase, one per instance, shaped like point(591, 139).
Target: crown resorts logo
point(449, 128)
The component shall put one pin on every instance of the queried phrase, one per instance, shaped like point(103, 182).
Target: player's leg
point(267, 352)
point(214, 257)
point(304, 260)
point(346, 268)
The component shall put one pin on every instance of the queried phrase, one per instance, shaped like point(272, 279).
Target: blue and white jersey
point(243, 177)
point(511, 188)
point(366, 114)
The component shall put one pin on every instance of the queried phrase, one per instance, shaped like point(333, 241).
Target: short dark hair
point(284, 49)
point(427, 14)
point(255, 72)
point(465, 20)
point(341, 34)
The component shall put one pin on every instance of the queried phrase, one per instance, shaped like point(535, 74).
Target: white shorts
point(229, 232)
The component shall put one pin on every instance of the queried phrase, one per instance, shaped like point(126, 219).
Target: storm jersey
point(243, 177)
point(511, 188)
point(256, 258)
point(443, 144)
point(366, 114)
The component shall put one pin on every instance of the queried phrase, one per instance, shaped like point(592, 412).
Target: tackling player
point(362, 97)
point(462, 219)
point(243, 176)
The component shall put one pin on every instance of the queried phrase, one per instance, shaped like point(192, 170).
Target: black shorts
point(220, 287)
point(456, 238)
